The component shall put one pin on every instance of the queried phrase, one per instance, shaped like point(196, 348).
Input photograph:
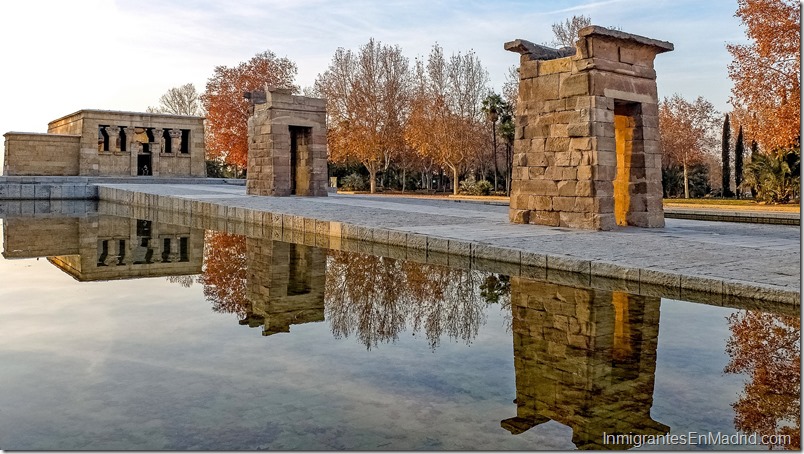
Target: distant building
point(110, 143)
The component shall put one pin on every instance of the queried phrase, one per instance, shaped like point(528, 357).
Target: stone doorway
point(300, 168)
point(629, 180)
point(586, 151)
point(144, 165)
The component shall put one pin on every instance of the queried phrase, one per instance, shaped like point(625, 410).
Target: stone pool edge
point(679, 284)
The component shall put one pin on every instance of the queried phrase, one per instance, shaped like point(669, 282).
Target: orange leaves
point(224, 274)
point(688, 129)
point(227, 110)
point(766, 72)
point(367, 100)
point(767, 348)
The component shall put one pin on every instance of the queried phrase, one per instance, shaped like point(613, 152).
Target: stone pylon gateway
point(586, 151)
point(287, 144)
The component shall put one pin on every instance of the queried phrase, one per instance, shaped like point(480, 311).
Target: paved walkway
point(732, 258)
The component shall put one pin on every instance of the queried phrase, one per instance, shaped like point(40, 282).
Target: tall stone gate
point(586, 151)
point(287, 144)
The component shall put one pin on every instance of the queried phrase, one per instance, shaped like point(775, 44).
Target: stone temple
point(587, 152)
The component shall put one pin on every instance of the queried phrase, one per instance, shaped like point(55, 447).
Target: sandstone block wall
point(128, 140)
point(586, 150)
point(28, 154)
point(110, 143)
point(287, 145)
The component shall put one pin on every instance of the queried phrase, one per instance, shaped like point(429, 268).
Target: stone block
point(574, 85)
point(550, 218)
point(561, 204)
point(416, 241)
point(437, 244)
point(583, 129)
point(519, 216)
point(462, 248)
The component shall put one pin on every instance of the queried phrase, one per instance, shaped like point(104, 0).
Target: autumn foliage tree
point(227, 110)
point(688, 131)
point(767, 348)
point(446, 117)
point(367, 100)
point(766, 71)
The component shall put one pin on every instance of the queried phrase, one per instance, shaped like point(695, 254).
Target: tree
point(766, 71)
point(367, 96)
point(775, 177)
point(446, 118)
point(227, 109)
point(725, 149)
point(687, 132)
point(739, 151)
point(492, 107)
point(566, 33)
point(181, 100)
point(224, 272)
point(767, 348)
point(507, 131)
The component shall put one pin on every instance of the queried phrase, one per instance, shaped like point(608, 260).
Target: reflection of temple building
point(285, 285)
point(96, 248)
point(584, 358)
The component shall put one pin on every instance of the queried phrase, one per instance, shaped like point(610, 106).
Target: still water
point(131, 333)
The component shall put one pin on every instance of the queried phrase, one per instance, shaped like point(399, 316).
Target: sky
point(62, 56)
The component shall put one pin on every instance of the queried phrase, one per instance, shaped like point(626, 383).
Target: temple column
point(156, 150)
point(114, 138)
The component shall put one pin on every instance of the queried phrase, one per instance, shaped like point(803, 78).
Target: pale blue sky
point(59, 56)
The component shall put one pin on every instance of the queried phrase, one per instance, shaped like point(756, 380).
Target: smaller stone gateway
point(287, 144)
point(586, 150)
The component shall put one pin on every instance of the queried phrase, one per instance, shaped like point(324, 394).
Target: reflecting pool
point(142, 331)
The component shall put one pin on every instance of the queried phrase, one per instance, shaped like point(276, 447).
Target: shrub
point(471, 187)
point(774, 177)
point(354, 182)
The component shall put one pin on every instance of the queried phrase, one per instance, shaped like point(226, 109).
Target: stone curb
point(419, 247)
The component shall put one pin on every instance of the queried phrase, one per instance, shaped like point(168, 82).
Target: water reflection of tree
point(224, 273)
point(376, 298)
point(767, 348)
point(186, 281)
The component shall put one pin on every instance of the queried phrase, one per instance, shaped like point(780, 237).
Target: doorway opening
point(300, 160)
point(629, 183)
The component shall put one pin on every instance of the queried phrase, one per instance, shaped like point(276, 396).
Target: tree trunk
point(509, 172)
point(494, 152)
point(455, 180)
point(686, 181)
point(373, 180)
point(403, 180)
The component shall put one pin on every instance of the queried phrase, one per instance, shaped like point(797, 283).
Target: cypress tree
point(726, 167)
point(739, 150)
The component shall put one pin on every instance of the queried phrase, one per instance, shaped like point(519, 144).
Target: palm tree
point(506, 131)
point(774, 177)
point(492, 106)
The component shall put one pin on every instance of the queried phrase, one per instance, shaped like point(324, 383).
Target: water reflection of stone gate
point(584, 358)
point(284, 285)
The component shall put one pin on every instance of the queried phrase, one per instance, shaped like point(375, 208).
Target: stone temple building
point(109, 143)
point(586, 150)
